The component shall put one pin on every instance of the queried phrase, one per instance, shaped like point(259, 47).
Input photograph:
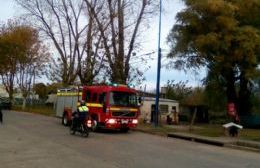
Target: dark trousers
point(1, 116)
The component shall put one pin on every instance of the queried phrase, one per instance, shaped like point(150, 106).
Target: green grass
point(209, 130)
point(43, 110)
point(250, 134)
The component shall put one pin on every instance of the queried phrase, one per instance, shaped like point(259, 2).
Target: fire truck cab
point(110, 106)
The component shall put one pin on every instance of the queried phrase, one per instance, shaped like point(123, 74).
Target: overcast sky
point(8, 10)
point(170, 9)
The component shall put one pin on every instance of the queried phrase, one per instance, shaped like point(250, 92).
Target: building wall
point(149, 103)
point(3, 92)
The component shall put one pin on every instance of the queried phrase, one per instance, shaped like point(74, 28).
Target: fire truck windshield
point(123, 99)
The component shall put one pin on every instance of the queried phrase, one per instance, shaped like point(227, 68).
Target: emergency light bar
point(117, 85)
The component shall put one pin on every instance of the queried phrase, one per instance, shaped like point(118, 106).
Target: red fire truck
point(110, 106)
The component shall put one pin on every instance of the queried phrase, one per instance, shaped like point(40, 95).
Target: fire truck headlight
point(135, 121)
point(111, 121)
point(89, 123)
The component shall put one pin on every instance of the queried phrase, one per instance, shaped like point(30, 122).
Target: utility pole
point(156, 115)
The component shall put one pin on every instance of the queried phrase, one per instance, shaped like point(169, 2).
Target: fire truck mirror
point(104, 107)
point(139, 101)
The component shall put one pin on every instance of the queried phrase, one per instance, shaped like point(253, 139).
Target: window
point(88, 96)
point(123, 99)
point(163, 108)
point(102, 98)
point(94, 97)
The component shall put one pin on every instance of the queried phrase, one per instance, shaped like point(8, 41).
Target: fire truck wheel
point(65, 120)
point(95, 125)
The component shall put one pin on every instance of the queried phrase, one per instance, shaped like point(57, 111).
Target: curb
point(233, 144)
point(199, 139)
point(241, 145)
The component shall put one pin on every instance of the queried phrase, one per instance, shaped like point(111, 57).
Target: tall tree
point(65, 25)
point(225, 37)
point(23, 55)
point(33, 62)
point(119, 22)
point(11, 52)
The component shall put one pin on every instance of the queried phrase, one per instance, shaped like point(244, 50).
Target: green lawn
point(209, 130)
point(43, 110)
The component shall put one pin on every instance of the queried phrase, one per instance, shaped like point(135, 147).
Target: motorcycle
point(82, 128)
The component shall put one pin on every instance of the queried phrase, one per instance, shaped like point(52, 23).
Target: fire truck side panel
point(68, 112)
point(95, 107)
point(66, 102)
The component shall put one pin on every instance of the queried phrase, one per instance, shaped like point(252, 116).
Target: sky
point(8, 10)
point(170, 9)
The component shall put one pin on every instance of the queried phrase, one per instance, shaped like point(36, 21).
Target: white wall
point(147, 105)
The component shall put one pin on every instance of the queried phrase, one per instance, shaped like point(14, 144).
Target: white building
point(166, 107)
point(3, 92)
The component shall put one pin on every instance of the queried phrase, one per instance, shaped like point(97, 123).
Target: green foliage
point(177, 91)
point(195, 98)
point(39, 109)
point(41, 90)
point(53, 87)
point(185, 94)
point(214, 93)
point(223, 35)
point(23, 57)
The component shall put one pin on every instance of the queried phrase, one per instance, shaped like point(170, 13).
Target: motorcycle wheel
point(84, 131)
point(72, 132)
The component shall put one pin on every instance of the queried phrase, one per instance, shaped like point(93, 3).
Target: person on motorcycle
point(80, 115)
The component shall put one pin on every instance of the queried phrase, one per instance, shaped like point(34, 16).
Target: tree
point(66, 26)
point(11, 52)
point(119, 22)
point(34, 61)
point(24, 57)
point(177, 91)
point(214, 92)
point(224, 36)
point(41, 90)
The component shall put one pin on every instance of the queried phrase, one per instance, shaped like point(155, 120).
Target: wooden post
point(193, 118)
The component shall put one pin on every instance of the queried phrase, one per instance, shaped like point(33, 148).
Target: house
point(166, 107)
point(3, 92)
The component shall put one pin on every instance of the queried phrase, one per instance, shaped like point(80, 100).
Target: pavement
point(224, 141)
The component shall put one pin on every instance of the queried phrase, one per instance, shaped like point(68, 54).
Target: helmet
point(82, 103)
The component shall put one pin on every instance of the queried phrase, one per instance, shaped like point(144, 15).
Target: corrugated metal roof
point(161, 99)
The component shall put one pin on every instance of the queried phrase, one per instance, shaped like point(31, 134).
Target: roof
point(111, 88)
point(161, 100)
point(232, 124)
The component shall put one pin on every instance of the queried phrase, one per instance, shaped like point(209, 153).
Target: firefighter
point(80, 115)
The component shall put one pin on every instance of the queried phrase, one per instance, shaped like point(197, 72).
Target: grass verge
point(208, 130)
point(43, 110)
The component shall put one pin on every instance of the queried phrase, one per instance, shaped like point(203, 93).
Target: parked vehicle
point(5, 103)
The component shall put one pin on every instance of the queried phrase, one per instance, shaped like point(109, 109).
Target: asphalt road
point(35, 141)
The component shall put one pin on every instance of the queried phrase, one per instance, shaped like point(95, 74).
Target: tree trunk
point(24, 104)
point(193, 118)
point(244, 103)
point(230, 84)
point(121, 47)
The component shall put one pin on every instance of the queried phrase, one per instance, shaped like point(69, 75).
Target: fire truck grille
point(124, 114)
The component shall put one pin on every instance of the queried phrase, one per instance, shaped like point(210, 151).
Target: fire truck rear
point(110, 106)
